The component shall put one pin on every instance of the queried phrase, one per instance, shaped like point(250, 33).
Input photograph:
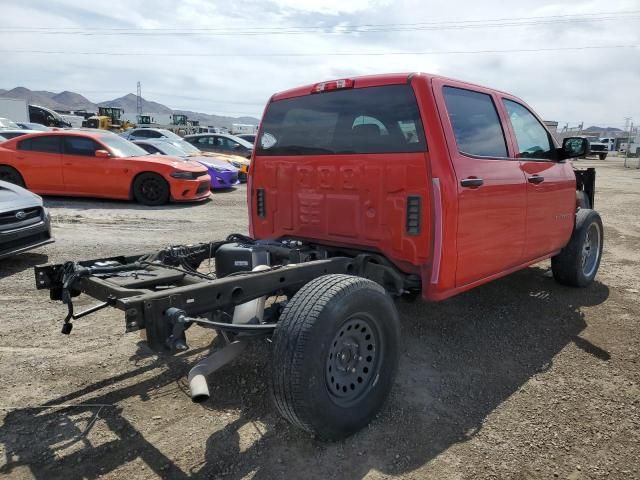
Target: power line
point(331, 29)
point(190, 27)
point(339, 30)
point(330, 54)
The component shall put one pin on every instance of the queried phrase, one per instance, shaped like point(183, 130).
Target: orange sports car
point(99, 164)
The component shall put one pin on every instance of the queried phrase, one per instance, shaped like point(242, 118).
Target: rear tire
point(577, 264)
point(11, 175)
point(335, 355)
point(151, 189)
point(602, 156)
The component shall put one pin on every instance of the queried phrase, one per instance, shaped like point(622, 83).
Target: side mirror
point(102, 154)
point(575, 147)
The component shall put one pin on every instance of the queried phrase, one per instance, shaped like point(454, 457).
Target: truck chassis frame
point(164, 294)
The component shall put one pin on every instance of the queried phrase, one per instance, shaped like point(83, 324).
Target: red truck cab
point(453, 182)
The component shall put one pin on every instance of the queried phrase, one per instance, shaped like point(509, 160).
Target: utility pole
point(628, 125)
point(139, 99)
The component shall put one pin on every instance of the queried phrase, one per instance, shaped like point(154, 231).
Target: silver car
point(24, 221)
point(147, 133)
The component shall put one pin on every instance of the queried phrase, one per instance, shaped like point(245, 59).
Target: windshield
point(241, 141)
point(186, 147)
point(169, 149)
point(120, 147)
point(365, 120)
point(169, 134)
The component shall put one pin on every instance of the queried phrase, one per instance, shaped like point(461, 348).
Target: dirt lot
point(521, 378)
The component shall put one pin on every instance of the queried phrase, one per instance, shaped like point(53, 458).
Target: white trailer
point(237, 128)
point(14, 109)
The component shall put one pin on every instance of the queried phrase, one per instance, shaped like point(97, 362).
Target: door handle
point(535, 179)
point(471, 182)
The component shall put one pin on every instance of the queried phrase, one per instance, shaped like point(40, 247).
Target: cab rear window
point(382, 119)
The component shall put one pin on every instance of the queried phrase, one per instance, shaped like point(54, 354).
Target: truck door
point(491, 187)
point(551, 185)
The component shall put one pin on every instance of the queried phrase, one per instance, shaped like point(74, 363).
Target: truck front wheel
point(335, 355)
point(577, 264)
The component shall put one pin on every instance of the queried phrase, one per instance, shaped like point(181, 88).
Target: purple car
point(223, 174)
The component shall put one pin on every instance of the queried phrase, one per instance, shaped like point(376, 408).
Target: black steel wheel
point(354, 360)
point(11, 175)
point(151, 189)
point(578, 262)
point(335, 355)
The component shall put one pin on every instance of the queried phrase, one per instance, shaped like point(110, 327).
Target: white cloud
point(594, 86)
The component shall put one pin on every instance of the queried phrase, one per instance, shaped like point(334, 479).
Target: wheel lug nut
point(359, 358)
point(353, 370)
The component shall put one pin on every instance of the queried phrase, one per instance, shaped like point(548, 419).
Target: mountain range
point(72, 101)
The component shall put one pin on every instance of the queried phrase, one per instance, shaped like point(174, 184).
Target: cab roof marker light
point(332, 85)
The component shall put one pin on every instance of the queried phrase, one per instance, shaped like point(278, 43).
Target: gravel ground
point(520, 378)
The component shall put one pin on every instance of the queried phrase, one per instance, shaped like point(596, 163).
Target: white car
point(147, 133)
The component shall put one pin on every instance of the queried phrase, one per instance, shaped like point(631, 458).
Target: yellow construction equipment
point(108, 118)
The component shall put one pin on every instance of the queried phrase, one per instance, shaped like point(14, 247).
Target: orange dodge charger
point(99, 164)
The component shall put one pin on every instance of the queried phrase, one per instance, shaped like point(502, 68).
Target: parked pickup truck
point(360, 191)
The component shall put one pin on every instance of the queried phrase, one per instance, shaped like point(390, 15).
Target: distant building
point(551, 125)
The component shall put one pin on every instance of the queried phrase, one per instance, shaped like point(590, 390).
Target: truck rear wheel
point(577, 264)
point(335, 355)
point(602, 156)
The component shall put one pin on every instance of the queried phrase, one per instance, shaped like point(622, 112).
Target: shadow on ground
point(23, 261)
point(462, 358)
point(86, 203)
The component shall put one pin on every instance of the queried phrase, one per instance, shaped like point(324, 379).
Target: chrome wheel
point(591, 250)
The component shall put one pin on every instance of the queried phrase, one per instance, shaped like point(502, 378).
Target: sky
point(228, 58)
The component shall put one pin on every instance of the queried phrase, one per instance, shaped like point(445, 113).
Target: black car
point(24, 221)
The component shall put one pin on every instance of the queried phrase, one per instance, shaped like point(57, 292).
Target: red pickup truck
point(360, 190)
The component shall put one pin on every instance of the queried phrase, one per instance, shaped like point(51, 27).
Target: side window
point(476, 124)
point(46, 144)
point(533, 139)
point(141, 133)
point(153, 134)
point(81, 146)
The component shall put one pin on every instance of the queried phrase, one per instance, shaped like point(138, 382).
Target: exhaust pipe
point(198, 374)
point(243, 313)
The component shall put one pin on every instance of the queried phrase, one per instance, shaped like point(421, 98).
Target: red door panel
point(491, 215)
point(41, 171)
point(550, 206)
point(491, 223)
point(550, 184)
